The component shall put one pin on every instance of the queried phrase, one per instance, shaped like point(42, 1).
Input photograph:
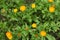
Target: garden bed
point(29, 19)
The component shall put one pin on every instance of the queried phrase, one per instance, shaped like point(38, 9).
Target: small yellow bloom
point(22, 8)
point(15, 10)
point(34, 25)
point(33, 5)
point(43, 33)
point(50, 0)
point(9, 35)
point(51, 9)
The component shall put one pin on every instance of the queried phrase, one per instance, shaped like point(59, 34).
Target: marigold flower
point(9, 35)
point(50, 0)
point(15, 10)
point(51, 9)
point(43, 33)
point(22, 8)
point(34, 25)
point(33, 5)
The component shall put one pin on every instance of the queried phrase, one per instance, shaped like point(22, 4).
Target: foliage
point(18, 20)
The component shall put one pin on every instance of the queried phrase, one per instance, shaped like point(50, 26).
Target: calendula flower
point(22, 8)
point(34, 25)
point(15, 10)
point(9, 35)
point(50, 0)
point(43, 33)
point(33, 5)
point(51, 9)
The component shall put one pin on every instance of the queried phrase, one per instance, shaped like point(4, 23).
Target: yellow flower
point(33, 5)
point(15, 10)
point(51, 9)
point(22, 8)
point(50, 0)
point(43, 33)
point(9, 35)
point(34, 25)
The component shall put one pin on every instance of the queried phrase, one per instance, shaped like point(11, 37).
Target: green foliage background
point(16, 23)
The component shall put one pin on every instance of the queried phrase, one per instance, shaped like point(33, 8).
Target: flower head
point(22, 8)
point(51, 9)
point(34, 25)
point(43, 33)
point(15, 10)
point(9, 35)
point(33, 5)
point(50, 0)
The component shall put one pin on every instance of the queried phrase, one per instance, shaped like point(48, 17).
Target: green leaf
point(50, 37)
point(42, 38)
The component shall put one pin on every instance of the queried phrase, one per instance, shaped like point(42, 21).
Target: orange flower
point(15, 10)
point(9, 35)
point(51, 9)
point(23, 8)
point(33, 5)
point(34, 25)
point(43, 33)
point(50, 0)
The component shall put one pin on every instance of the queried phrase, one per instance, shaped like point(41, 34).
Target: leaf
point(42, 38)
point(50, 37)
